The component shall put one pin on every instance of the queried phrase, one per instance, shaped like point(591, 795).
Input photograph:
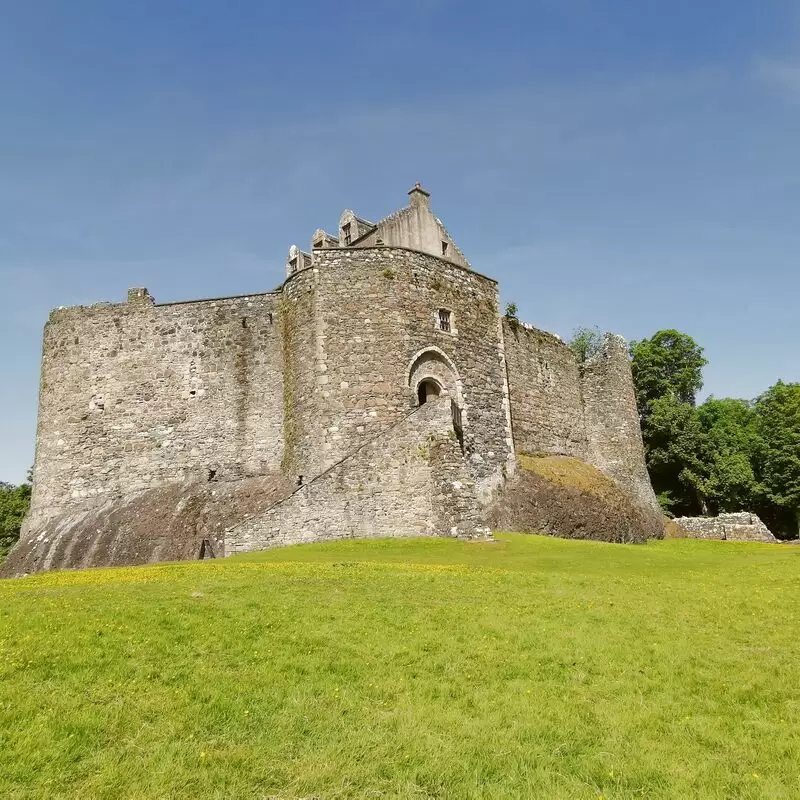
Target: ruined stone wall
point(374, 312)
point(741, 526)
point(543, 379)
point(613, 432)
point(137, 395)
point(407, 481)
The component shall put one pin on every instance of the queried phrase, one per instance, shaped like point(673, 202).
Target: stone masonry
point(741, 526)
point(422, 489)
point(380, 380)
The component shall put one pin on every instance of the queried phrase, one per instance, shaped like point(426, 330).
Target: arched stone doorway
point(431, 374)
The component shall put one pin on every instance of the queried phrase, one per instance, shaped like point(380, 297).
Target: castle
point(379, 391)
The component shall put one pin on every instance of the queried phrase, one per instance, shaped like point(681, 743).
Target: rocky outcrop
point(742, 526)
point(566, 497)
point(171, 523)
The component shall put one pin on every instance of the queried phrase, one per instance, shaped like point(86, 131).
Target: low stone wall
point(741, 526)
point(408, 481)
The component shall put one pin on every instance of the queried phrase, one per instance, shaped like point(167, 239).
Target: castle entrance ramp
point(410, 480)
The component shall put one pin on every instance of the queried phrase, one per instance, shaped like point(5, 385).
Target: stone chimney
point(419, 197)
point(139, 296)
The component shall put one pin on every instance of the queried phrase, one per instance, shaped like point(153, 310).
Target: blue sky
point(632, 164)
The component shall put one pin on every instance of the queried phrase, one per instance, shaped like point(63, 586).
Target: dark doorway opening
point(427, 390)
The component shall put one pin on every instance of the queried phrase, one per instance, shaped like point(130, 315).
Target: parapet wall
point(741, 526)
point(138, 395)
point(407, 481)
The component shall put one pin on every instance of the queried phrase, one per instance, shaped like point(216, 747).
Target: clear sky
point(632, 164)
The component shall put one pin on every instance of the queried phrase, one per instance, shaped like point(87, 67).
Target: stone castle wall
point(590, 413)
point(421, 489)
point(375, 333)
point(300, 337)
point(545, 387)
point(741, 526)
point(613, 431)
point(138, 395)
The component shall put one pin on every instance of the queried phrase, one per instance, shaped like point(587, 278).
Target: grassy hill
point(532, 667)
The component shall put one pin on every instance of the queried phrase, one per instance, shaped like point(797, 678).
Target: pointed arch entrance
point(431, 373)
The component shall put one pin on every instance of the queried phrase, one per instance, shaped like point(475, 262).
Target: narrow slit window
point(444, 320)
point(346, 232)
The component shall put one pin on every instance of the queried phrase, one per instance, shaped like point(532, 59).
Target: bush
point(586, 343)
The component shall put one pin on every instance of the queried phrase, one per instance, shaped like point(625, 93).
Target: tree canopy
point(726, 454)
point(668, 363)
point(730, 446)
point(586, 343)
point(778, 413)
point(14, 503)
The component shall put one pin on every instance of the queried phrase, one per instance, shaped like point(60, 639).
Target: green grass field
point(529, 668)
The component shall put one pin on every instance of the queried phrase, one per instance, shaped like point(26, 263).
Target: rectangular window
point(293, 265)
point(444, 320)
point(444, 248)
point(346, 232)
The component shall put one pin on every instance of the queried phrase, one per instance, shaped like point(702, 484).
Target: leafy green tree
point(667, 374)
point(668, 363)
point(725, 455)
point(14, 503)
point(674, 447)
point(778, 412)
point(731, 442)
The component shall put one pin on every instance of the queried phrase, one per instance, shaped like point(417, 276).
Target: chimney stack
point(419, 197)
